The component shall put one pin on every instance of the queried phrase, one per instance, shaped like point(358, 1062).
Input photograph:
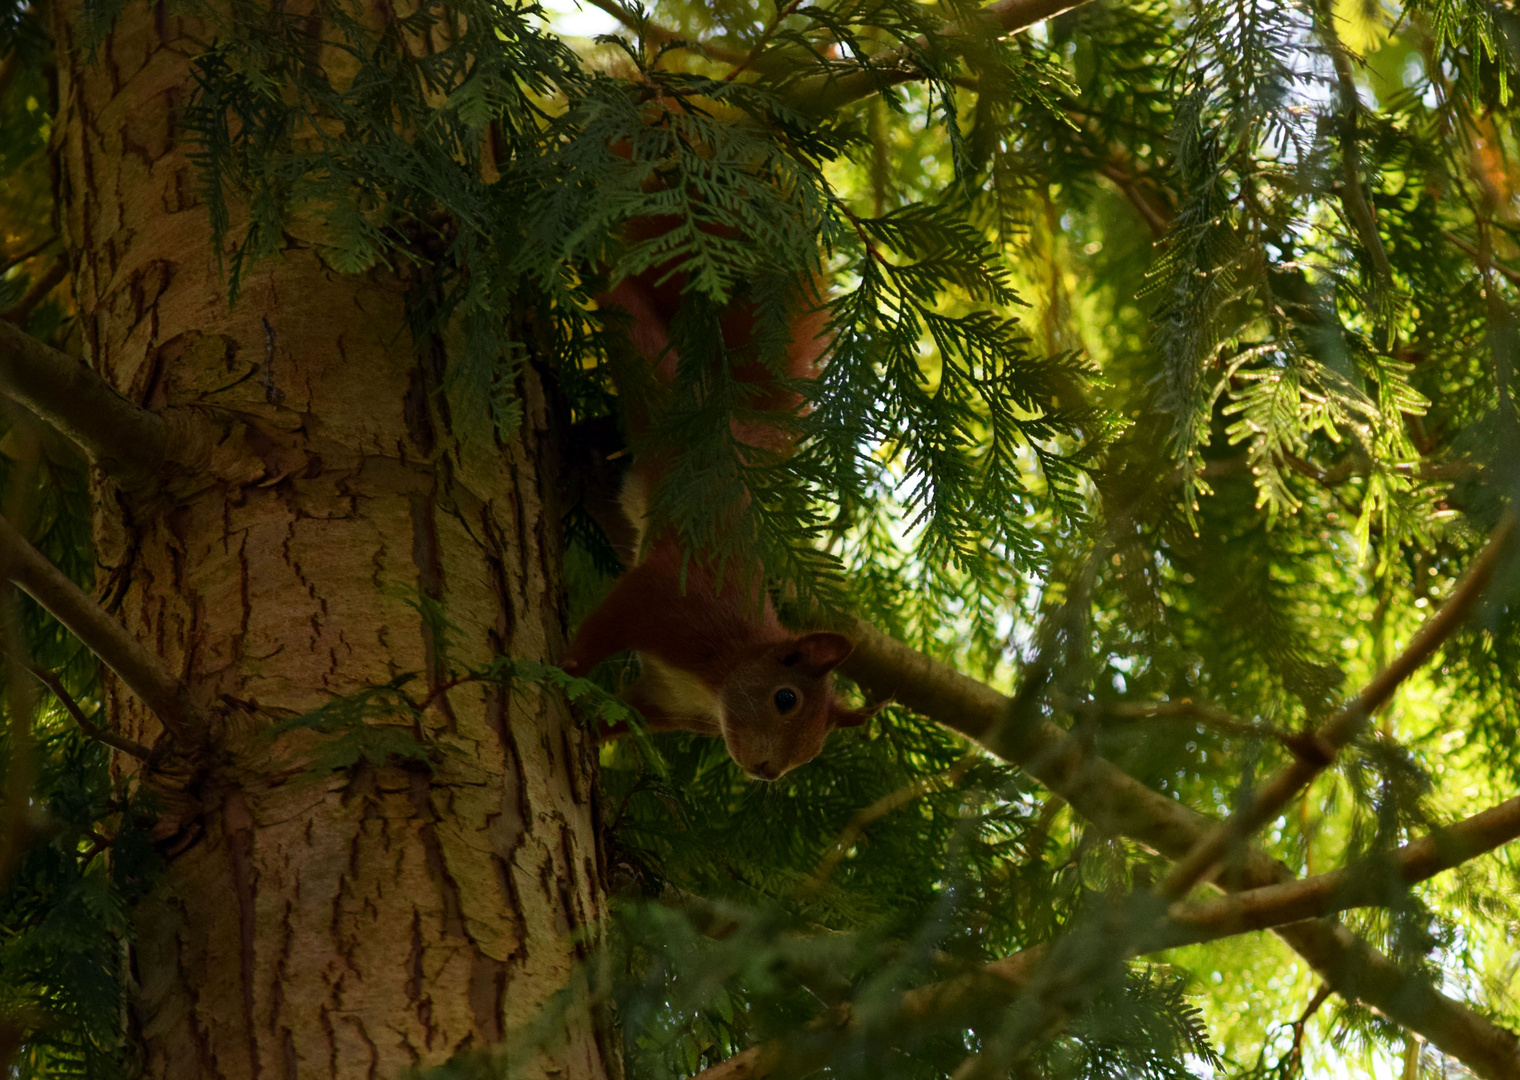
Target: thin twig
point(1319, 748)
point(1472, 252)
point(142, 672)
point(19, 312)
point(1359, 211)
point(823, 94)
point(1276, 905)
point(1205, 715)
point(1103, 793)
point(86, 725)
point(1131, 187)
point(30, 253)
point(664, 35)
point(764, 38)
point(1296, 1053)
point(887, 804)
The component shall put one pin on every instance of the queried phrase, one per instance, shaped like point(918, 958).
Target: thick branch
point(122, 438)
point(1116, 801)
point(1158, 218)
point(1319, 750)
point(86, 725)
point(142, 672)
point(1257, 909)
point(1372, 882)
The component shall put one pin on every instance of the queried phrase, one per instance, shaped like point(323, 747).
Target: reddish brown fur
point(652, 305)
point(742, 656)
point(725, 639)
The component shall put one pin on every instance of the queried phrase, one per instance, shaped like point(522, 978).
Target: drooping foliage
point(1171, 358)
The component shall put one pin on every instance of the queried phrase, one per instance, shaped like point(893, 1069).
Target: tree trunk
point(353, 922)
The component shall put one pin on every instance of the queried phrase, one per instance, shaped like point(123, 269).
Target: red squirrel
point(714, 657)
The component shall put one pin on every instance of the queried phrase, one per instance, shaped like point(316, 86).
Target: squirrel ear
point(820, 653)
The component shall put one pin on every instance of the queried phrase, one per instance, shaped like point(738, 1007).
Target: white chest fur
point(686, 699)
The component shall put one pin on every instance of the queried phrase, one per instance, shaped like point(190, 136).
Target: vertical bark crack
point(237, 823)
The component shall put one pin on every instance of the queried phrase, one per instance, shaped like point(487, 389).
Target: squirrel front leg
point(611, 628)
point(666, 707)
point(647, 609)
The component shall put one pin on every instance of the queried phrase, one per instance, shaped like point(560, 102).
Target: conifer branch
point(887, 804)
point(1201, 713)
point(122, 438)
point(142, 672)
point(1106, 795)
point(1257, 909)
point(823, 94)
point(1359, 212)
point(86, 725)
point(664, 35)
point(1317, 750)
point(1471, 251)
point(1368, 883)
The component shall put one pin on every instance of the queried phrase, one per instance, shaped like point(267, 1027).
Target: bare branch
point(1357, 463)
point(1201, 713)
point(1296, 1052)
point(1116, 801)
point(1320, 748)
point(123, 439)
point(142, 672)
point(86, 725)
point(28, 253)
point(1257, 909)
point(18, 822)
point(1157, 218)
point(1365, 884)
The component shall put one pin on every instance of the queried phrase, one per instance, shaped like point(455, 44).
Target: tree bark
point(369, 919)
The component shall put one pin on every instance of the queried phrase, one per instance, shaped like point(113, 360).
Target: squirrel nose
point(767, 770)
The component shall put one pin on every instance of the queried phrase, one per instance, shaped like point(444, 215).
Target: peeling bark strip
point(359, 924)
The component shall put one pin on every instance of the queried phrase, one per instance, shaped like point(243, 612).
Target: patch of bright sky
point(578, 20)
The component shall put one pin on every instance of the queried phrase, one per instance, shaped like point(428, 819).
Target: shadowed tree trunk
point(348, 923)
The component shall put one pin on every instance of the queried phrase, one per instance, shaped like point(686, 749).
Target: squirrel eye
point(786, 700)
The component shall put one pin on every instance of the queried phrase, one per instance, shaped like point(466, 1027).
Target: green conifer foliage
point(1170, 389)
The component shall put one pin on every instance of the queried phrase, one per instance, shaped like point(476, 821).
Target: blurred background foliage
point(1173, 341)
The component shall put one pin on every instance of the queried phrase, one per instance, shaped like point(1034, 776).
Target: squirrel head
point(778, 703)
